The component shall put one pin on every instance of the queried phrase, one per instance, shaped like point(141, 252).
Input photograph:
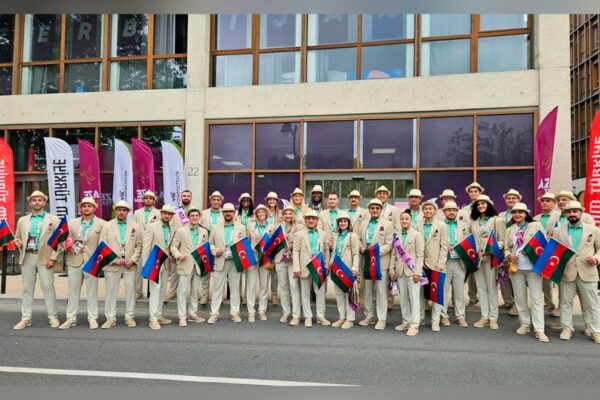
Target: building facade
point(271, 102)
point(585, 89)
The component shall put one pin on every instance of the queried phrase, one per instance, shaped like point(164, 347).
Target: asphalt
point(270, 350)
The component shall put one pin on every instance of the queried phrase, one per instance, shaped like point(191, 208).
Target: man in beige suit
point(307, 243)
point(327, 217)
point(210, 218)
point(548, 218)
point(142, 217)
point(36, 257)
point(473, 190)
point(378, 229)
point(389, 211)
point(414, 202)
point(446, 196)
point(177, 222)
point(511, 197)
point(456, 271)
point(186, 240)
point(223, 235)
point(435, 235)
point(581, 272)
point(356, 213)
point(159, 233)
point(125, 239)
point(85, 232)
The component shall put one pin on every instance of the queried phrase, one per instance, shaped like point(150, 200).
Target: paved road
point(274, 351)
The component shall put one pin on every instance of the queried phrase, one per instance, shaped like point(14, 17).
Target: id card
point(77, 246)
point(31, 241)
point(228, 253)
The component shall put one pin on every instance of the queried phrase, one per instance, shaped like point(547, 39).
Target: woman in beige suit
point(289, 287)
point(484, 219)
point(346, 245)
point(258, 274)
point(274, 218)
point(409, 278)
point(297, 202)
point(516, 238)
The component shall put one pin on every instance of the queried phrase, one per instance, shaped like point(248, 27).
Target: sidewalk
point(13, 290)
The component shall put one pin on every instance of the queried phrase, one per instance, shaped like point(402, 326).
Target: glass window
point(128, 75)
point(388, 143)
point(170, 73)
point(153, 135)
point(522, 180)
point(278, 68)
point(282, 184)
point(280, 30)
point(170, 33)
point(505, 140)
point(329, 144)
point(5, 81)
point(492, 22)
point(434, 182)
point(331, 28)
point(41, 79)
point(106, 187)
point(72, 135)
point(230, 147)
point(278, 146)
point(84, 36)
point(233, 70)
point(504, 53)
point(107, 144)
point(28, 149)
point(129, 35)
point(445, 24)
point(230, 185)
point(387, 27)
point(7, 37)
point(390, 61)
point(446, 57)
point(446, 142)
point(84, 77)
point(42, 37)
point(234, 31)
point(332, 65)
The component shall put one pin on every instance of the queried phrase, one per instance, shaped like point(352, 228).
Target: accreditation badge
point(31, 241)
point(77, 246)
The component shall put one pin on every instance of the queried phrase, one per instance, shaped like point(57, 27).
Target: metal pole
point(4, 269)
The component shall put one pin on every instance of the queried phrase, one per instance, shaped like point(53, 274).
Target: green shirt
point(371, 230)
point(340, 241)
point(122, 230)
point(332, 216)
point(195, 235)
point(244, 217)
point(299, 212)
point(85, 227)
point(544, 219)
point(404, 235)
point(562, 219)
point(35, 228)
point(415, 215)
point(575, 235)
point(452, 225)
point(426, 230)
point(261, 230)
point(147, 212)
point(313, 238)
point(228, 234)
point(351, 213)
point(214, 216)
point(166, 233)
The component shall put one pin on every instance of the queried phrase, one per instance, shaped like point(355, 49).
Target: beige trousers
point(112, 280)
point(521, 281)
point(29, 270)
point(485, 277)
point(227, 275)
point(376, 291)
point(188, 287)
point(76, 278)
point(410, 302)
point(158, 292)
point(455, 279)
point(284, 272)
point(589, 303)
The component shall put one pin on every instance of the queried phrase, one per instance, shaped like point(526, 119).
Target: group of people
point(428, 234)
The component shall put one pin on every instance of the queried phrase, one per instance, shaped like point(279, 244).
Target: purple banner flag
point(89, 174)
point(143, 171)
point(544, 150)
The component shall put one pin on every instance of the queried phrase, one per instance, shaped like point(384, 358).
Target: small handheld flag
point(263, 258)
point(434, 290)
point(60, 234)
point(341, 275)
point(101, 257)
point(467, 250)
point(151, 269)
point(243, 255)
point(372, 264)
point(535, 247)
point(318, 270)
point(493, 248)
point(276, 243)
point(6, 235)
point(551, 264)
point(204, 258)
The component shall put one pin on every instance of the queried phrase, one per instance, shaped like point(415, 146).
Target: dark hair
point(528, 218)
point(349, 225)
point(186, 191)
point(490, 211)
point(407, 211)
point(333, 193)
point(250, 207)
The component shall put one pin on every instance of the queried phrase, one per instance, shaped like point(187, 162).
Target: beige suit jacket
point(383, 235)
point(391, 213)
point(89, 245)
point(206, 222)
point(182, 244)
point(415, 247)
point(549, 228)
point(589, 246)
point(302, 255)
point(511, 236)
point(153, 235)
point(138, 217)
point(325, 223)
point(350, 252)
point(133, 243)
point(45, 252)
point(254, 235)
point(436, 245)
point(481, 235)
point(217, 241)
point(357, 219)
point(289, 237)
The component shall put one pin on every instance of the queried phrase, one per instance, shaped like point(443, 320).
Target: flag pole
point(4, 269)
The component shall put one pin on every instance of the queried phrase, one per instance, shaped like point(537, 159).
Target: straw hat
point(375, 202)
point(297, 191)
point(216, 193)
point(168, 209)
point(149, 193)
point(475, 185)
point(342, 215)
point(520, 207)
point(243, 196)
point(311, 213)
point(193, 208)
point(450, 205)
point(121, 204)
point(448, 193)
point(88, 200)
point(415, 193)
point(548, 196)
point(383, 189)
point(512, 192)
point(261, 207)
point(430, 202)
point(567, 194)
point(317, 188)
point(228, 207)
point(272, 195)
point(355, 193)
point(486, 198)
point(37, 193)
point(573, 205)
